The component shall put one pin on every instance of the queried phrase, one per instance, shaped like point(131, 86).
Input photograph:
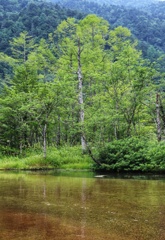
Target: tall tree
point(82, 53)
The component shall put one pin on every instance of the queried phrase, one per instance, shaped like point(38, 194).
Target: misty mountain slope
point(126, 3)
point(132, 3)
point(157, 10)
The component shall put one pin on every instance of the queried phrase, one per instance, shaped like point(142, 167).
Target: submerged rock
point(100, 176)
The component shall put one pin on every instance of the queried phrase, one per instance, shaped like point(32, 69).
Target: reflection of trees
point(83, 206)
point(44, 191)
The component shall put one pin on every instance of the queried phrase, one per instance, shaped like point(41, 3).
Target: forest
point(74, 80)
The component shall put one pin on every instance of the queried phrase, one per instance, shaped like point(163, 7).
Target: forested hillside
point(37, 17)
point(79, 82)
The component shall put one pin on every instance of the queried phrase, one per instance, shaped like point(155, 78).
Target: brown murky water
point(36, 206)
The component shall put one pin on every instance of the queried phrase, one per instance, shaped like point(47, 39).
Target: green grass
point(63, 158)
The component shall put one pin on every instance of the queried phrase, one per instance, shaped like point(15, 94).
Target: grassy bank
point(63, 158)
point(125, 155)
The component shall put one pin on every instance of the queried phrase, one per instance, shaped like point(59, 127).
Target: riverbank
point(63, 158)
point(130, 155)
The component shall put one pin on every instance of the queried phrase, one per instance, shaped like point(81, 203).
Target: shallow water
point(74, 206)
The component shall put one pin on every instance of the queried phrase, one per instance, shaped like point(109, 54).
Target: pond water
point(78, 205)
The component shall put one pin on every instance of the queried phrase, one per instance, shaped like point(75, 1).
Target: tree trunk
point(20, 148)
point(81, 102)
point(44, 140)
point(162, 113)
point(158, 121)
point(58, 139)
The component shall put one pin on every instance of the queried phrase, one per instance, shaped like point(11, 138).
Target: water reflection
point(83, 206)
point(58, 206)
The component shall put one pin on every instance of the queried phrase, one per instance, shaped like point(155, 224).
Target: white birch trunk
point(81, 101)
point(44, 140)
point(158, 121)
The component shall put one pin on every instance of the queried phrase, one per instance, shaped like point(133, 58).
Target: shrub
point(125, 155)
point(156, 154)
